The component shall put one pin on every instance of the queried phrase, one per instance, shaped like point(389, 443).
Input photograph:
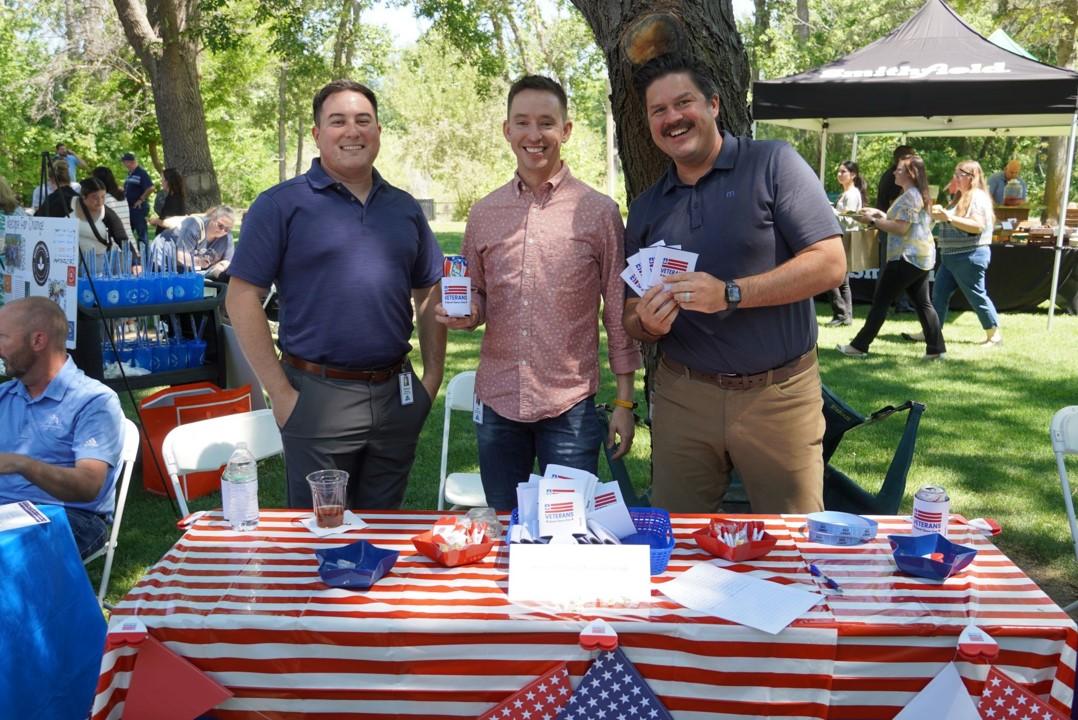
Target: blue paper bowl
point(913, 555)
point(364, 565)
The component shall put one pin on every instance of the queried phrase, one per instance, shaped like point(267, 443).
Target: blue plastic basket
point(654, 523)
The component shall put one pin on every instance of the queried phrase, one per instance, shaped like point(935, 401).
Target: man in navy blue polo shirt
point(738, 384)
point(137, 188)
point(61, 433)
point(349, 254)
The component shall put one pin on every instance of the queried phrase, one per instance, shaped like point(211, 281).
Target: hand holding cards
point(652, 265)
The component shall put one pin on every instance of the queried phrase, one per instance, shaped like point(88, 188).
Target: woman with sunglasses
point(911, 254)
point(965, 234)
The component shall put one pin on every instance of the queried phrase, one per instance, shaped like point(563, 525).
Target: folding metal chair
point(1064, 434)
point(208, 444)
point(463, 489)
point(123, 482)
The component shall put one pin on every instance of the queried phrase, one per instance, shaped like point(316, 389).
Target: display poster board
point(39, 257)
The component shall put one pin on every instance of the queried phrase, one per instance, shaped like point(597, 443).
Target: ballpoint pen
point(828, 581)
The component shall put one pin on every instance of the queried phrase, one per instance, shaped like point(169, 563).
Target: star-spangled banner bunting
point(540, 699)
point(1004, 699)
point(613, 689)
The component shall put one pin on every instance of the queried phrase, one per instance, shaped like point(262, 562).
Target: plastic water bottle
point(239, 490)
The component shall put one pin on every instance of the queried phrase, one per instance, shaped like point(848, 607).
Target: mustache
point(679, 125)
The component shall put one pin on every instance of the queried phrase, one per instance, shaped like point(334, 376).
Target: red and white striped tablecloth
point(436, 643)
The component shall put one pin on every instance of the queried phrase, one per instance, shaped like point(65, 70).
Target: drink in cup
point(327, 493)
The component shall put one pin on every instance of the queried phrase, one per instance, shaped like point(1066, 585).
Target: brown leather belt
point(733, 381)
point(339, 373)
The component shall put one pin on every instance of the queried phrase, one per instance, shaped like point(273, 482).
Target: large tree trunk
point(282, 122)
point(711, 37)
point(1056, 173)
point(169, 55)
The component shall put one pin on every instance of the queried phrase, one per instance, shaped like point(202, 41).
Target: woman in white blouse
point(99, 227)
point(851, 201)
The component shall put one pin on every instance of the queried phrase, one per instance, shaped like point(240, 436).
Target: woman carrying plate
point(911, 254)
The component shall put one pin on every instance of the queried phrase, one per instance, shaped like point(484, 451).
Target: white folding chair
point(208, 444)
point(463, 489)
point(127, 465)
point(1064, 432)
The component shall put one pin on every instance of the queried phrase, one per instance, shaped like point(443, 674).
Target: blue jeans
point(138, 224)
point(965, 271)
point(508, 449)
point(89, 529)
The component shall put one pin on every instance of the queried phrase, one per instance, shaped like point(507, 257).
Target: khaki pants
point(773, 435)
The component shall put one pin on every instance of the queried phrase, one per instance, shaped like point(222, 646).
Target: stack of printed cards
point(653, 264)
point(568, 505)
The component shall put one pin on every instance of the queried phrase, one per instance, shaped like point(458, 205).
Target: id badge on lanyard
point(406, 390)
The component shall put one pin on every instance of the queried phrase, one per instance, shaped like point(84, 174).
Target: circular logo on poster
point(41, 263)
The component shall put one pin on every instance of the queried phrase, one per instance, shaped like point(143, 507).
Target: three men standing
point(349, 253)
point(542, 251)
point(738, 385)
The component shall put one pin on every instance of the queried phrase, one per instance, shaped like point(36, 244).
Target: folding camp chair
point(840, 492)
point(1064, 433)
point(460, 489)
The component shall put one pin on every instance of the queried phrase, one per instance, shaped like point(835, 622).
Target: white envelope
point(561, 508)
point(609, 510)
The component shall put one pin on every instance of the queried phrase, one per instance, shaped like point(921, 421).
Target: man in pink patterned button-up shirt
point(542, 251)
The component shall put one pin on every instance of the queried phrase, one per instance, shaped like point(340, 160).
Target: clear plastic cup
point(327, 494)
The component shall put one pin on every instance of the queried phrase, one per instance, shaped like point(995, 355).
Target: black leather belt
point(732, 381)
point(379, 375)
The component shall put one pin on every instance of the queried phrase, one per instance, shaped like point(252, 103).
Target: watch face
point(733, 293)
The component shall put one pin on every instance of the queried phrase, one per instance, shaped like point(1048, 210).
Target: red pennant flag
point(1004, 699)
point(542, 699)
point(164, 686)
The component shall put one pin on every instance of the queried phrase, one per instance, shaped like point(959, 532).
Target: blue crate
point(651, 523)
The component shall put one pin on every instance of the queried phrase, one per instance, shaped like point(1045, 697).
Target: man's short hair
point(902, 151)
point(220, 211)
point(342, 86)
point(58, 146)
point(542, 84)
point(60, 172)
point(673, 64)
point(40, 314)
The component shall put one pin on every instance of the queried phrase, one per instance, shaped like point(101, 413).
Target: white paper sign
point(580, 575)
point(20, 514)
point(945, 698)
point(39, 258)
point(739, 598)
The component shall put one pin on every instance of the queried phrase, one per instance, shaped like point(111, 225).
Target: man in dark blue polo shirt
point(349, 254)
point(137, 188)
point(738, 384)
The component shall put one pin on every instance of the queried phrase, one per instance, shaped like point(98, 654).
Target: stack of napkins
point(568, 505)
point(653, 264)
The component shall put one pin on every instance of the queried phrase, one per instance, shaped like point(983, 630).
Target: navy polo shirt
point(344, 269)
point(759, 206)
point(137, 182)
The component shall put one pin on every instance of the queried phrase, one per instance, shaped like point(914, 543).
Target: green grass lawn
point(984, 436)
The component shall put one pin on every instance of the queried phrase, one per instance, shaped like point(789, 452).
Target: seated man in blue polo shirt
point(61, 433)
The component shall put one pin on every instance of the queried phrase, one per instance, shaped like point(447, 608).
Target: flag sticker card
point(541, 698)
point(652, 265)
point(1004, 699)
point(613, 688)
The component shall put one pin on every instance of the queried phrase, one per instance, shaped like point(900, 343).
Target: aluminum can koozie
point(931, 510)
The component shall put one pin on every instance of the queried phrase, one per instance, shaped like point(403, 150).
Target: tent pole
point(1062, 220)
point(823, 150)
point(853, 150)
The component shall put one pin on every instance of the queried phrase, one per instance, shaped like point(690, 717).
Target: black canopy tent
point(932, 76)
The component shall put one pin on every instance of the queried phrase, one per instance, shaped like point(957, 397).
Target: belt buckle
point(731, 381)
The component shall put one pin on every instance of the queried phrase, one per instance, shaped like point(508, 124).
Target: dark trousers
point(899, 276)
point(138, 225)
point(508, 449)
point(841, 301)
point(89, 528)
point(357, 426)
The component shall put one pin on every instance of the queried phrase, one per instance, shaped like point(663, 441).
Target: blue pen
point(829, 582)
